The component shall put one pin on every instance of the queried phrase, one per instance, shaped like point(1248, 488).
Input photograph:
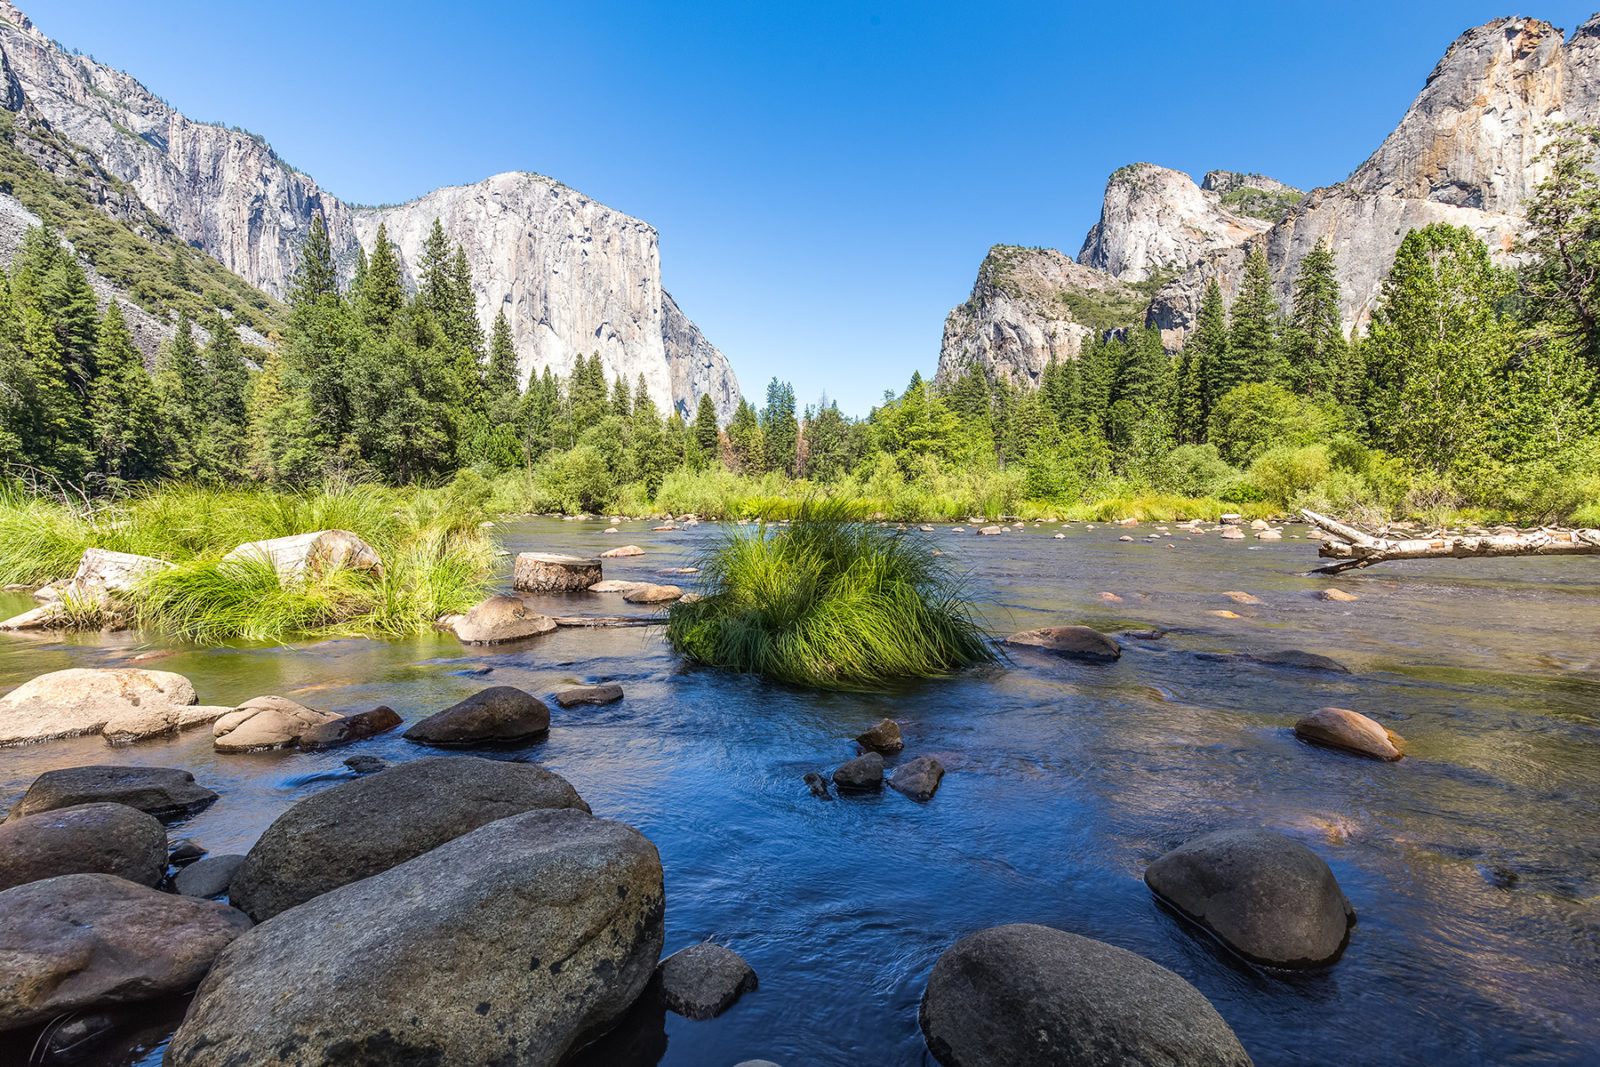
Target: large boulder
point(1266, 896)
point(497, 715)
point(651, 593)
point(264, 723)
point(883, 737)
point(311, 555)
point(165, 792)
point(1078, 642)
point(864, 774)
point(498, 619)
point(358, 828)
point(589, 694)
point(516, 943)
point(1349, 730)
point(84, 839)
point(95, 940)
point(121, 704)
point(1032, 995)
point(348, 728)
point(208, 877)
point(703, 981)
point(549, 572)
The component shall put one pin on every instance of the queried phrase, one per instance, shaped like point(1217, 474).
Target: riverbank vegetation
point(1470, 396)
point(828, 602)
point(437, 559)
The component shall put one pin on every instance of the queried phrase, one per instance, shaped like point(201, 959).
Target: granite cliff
point(572, 275)
point(1463, 153)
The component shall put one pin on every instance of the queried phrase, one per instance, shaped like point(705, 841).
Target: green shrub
point(830, 603)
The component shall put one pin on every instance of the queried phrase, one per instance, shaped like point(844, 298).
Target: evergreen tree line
point(1471, 382)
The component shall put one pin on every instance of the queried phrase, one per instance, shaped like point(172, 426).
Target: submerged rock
point(366, 764)
point(1349, 730)
point(516, 943)
point(264, 723)
point(165, 792)
point(919, 779)
point(349, 728)
point(1338, 596)
point(500, 619)
point(860, 775)
point(96, 940)
point(704, 980)
point(358, 828)
point(589, 694)
point(1026, 994)
point(83, 839)
point(1266, 896)
point(1080, 642)
point(497, 715)
point(818, 785)
point(884, 737)
point(121, 704)
point(650, 593)
point(208, 877)
point(624, 551)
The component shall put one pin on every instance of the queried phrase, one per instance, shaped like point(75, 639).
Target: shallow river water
point(1473, 865)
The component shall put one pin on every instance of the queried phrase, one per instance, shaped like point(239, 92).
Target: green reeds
point(828, 602)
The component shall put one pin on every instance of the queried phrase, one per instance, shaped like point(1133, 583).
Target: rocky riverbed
point(1468, 864)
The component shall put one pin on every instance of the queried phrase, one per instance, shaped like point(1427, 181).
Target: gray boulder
point(918, 779)
point(1266, 896)
point(264, 723)
point(1349, 730)
point(301, 556)
point(884, 737)
point(366, 764)
point(514, 944)
point(1032, 995)
point(208, 877)
point(499, 619)
point(493, 716)
point(95, 940)
point(358, 828)
point(121, 704)
point(165, 792)
point(589, 694)
point(1077, 642)
point(349, 728)
point(860, 775)
point(703, 981)
point(84, 839)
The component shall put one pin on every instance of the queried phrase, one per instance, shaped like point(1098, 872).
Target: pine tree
point(1314, 344)
point(744, 439)
point(621, 399)
point(1203, 380)
point(651, 459)
point(122, 405)
point(46, 277)
point(380, 296)
point(316, 349)
point(501, 380)
point(178, 271)
point(706, 435)
point(1253, 354)
point(226, 382)
point(180, 399)
point(780, 429)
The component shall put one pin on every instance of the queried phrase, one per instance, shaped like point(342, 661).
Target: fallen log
point(1360, 549)
point(593, 621)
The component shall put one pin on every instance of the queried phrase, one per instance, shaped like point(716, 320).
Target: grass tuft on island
point(437, 558)
point(828, 602)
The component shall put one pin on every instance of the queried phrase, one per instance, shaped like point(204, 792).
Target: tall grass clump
point(436, 557)
point(828, 602)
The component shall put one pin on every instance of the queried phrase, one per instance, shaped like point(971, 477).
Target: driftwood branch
point(1356, 548)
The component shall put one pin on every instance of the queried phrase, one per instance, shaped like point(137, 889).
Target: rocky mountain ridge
point(572, 275)
point(1464, 153)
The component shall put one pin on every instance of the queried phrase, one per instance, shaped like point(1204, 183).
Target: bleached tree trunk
point(1361, 549)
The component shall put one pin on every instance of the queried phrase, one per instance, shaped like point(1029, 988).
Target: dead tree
point(1360, 549)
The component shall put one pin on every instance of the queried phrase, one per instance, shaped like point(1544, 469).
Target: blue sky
point(825, 176)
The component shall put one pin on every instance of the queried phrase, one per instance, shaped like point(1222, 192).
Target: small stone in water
point(818, 785)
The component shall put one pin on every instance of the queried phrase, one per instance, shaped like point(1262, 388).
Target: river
point(1473, 865)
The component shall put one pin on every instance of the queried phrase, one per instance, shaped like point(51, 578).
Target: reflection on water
point(1472, 864)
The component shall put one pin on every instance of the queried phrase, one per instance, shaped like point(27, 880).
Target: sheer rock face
point(1155, 220)
point(1463, 154)
point(1026, 310)
point(572, 275)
